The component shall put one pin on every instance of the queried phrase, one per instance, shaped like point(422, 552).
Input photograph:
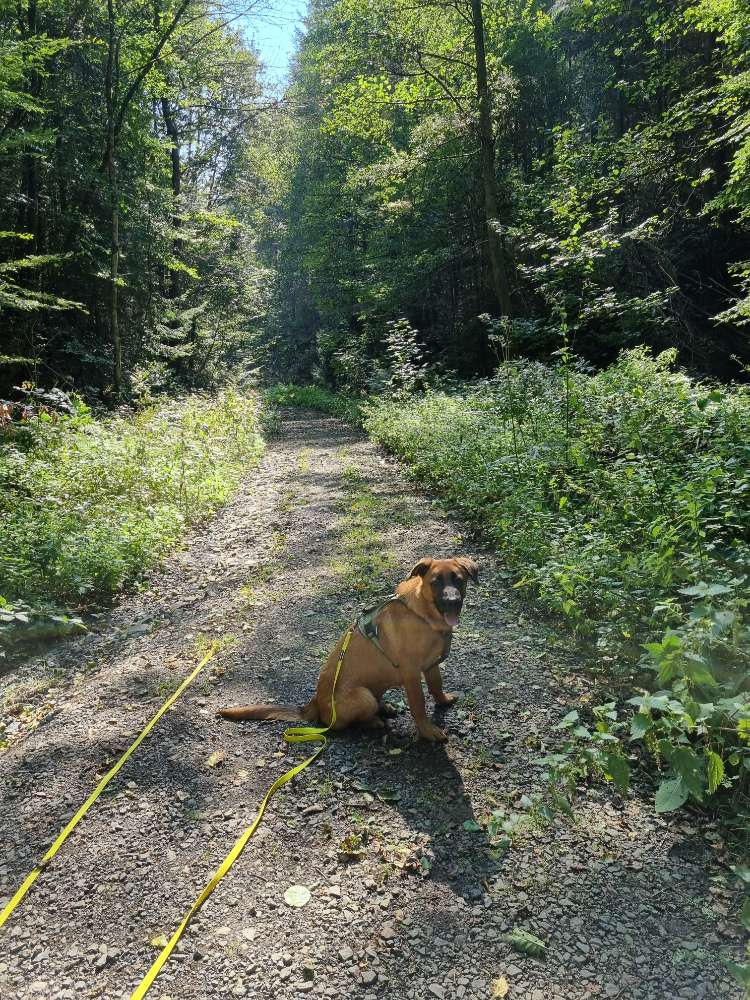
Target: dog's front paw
point(433, 733)
point(449, 698)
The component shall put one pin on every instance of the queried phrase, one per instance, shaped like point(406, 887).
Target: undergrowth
point(86, 505)
point(315, 397)
point(620, 500)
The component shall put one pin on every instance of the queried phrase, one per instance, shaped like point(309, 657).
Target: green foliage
point(143, 117)
point(87, 505)
point(622, 161)
point(406, 367)
point(315, 397)
point(620, 501)
point(583, 752)
point(15, 295)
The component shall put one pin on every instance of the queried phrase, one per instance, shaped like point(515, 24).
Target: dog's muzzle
point(449, 605)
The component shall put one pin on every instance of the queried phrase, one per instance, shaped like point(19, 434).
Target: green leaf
point(740, 972)
point(567, 720)
point(696, 670)
point(671, 794)
point(686, 763)
point(724, 619)
point(640, 725)
point(562, 803)
point(618, 769)
point(526, 943)
point(745, 914)
point(715, 770)
point(471, 825)
point(704, 589)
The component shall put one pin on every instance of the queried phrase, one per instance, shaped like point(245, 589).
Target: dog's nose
point(452, 595)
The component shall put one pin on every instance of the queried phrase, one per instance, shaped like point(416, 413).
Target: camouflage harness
point(367, 626)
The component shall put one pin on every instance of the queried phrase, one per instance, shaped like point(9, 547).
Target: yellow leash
point(65, 833)
point(295, 734)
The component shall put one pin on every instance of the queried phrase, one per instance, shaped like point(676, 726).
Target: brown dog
point(392, 646)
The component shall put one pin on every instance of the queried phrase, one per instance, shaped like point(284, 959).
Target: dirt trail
point(628, 902)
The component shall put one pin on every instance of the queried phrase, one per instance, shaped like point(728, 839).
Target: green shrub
point(87, 505)
point(620, 499)
point(315, 397)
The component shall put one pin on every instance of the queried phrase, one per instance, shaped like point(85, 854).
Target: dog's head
point(444, 584)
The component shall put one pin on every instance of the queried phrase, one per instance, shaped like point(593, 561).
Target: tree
point(606, 142)
point(124, 133)
point(487, 155)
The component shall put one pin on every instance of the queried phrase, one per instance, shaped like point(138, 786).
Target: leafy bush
point(315, 397)
point(620, 499)
point(87, 505)
point(407, 370)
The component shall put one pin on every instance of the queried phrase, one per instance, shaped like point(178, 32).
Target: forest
point(578, 165)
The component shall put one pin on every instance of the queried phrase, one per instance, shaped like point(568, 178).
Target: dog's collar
point(367, 626)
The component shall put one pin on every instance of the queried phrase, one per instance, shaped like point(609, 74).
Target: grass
point(18, 696)
point(363, 563)
point(87, 505)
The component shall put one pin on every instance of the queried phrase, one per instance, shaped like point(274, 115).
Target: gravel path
point(631, 905)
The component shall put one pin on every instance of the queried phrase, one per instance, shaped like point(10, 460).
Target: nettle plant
point(585, 751)
point(696, 724)
point(680, 734)
point(407, 369)
point(618, 500)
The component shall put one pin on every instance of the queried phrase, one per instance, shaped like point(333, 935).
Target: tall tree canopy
point(128, 163)
point(582, 162)
point(526, 166)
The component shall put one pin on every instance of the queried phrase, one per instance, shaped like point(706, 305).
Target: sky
point(273, 34)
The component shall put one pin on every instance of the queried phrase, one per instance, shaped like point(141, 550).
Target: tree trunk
point(170, 124)
point(496, 252)
point(114, 270)
point(114, 201)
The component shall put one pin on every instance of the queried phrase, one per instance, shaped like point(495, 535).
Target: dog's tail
point(283, 713)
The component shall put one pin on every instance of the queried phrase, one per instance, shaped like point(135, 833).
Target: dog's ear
point(421, 567)
point(470, 566)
